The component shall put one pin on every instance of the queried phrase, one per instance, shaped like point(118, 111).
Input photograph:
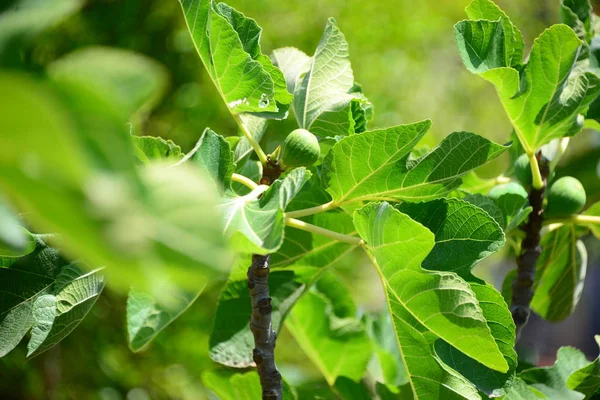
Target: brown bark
point(522, 287)
point(260, 321)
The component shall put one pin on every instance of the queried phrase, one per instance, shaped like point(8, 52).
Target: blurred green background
point(402, 52)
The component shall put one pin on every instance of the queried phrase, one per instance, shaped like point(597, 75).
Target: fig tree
point(300, 149)
point(565, 197)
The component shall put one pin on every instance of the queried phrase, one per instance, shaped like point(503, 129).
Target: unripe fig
point(300, 149)
point(565, 197)
point(523, 170)
point(507, 188)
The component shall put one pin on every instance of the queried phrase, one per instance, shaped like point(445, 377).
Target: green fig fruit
point(507, 188)
point(523, 170)
point(565, 197)
point(300, 149)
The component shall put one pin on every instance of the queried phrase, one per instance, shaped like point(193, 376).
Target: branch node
point(264, 306)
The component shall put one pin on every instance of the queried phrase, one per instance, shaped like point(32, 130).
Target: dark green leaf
point(560, 274)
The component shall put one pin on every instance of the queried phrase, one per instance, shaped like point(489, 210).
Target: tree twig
point(522, 287)
point(260, 321)
point(260, 325)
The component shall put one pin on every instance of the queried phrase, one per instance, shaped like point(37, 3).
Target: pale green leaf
point(254, 222)
point(334, 341)
point(21, 283)
point(134, 83)
point(560, 274)
point(375, 166)
point(473, 184)
point(552, 381)
point(587, 379)
point(482, 43)
point(213, 155)
point(228, 44)
point(55, 315)
point(517, 389)
point(426, 305)
point(550, 98)
point(149, 148)
point(387, 366)
point(85, 186)
point(293, 63)
point(464, 235)
point(233, 385)
point(146, 318)
point(324, 96)
point(513, 46)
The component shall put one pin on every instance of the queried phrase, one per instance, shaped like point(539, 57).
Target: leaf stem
point(312, 210)
point(535, 171)
point(296, 223)
point(255, 145)
point(244, 181)
point(577, 219)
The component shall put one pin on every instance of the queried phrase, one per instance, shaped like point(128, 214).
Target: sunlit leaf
point(228, 44)
point(233, 385)
point(375, 166)
point(548, 102)
point(324, 99)
point(72, 295)
point(149, 148)
point(422, 303)
point(254, 222)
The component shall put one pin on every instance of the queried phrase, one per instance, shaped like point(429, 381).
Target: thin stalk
point(249, 183)
point(537, 182)
point(312, 210)
point(522, 287)
point(296, 223)
point(577, 219)
point(255, 145)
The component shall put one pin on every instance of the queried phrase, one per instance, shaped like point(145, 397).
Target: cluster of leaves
point(167, 222)
point(546, 100)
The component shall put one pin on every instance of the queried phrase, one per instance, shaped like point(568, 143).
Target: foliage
point(104, 203)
